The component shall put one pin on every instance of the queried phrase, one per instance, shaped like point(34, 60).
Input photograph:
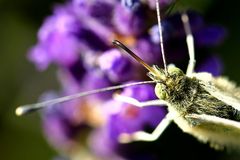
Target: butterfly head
point(166, 81)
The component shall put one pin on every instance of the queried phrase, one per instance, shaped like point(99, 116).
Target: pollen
point(127, 40)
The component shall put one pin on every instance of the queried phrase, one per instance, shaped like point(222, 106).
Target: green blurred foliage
point(20, 82)
point(21, 138)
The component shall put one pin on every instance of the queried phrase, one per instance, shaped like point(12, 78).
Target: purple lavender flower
point(174, 35)
point(125, 118)
point(131, 118)
point(117, 66)
point(132, 4)
point(57, 30)
point(211, 64)
point(95, 80)
point(59, 129)
point(77, 38)
point(129, 22)
point(210, 36)
point(103, 146)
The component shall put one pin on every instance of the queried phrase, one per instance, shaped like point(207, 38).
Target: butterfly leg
point(135, 102)
point(144, 136)
point(190, 44)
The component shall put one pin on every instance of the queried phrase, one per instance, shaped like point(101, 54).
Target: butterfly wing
point(221, 88)
point(218, 131)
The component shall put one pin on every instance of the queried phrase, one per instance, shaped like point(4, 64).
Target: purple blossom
point(148, 50)
point(40, 57)
point(210, 36)
point(102, 11)
point(130, 3)
point(133, 4)
point(204, 35)
point(129, 22)
point(125, 118)
point(131, 118)
point(58, 127)
point(95, 80)
point(117, 66)
point(57, 30)
point(211, 64)
point(102, 146)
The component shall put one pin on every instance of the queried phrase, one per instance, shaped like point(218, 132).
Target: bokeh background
point(20, 83)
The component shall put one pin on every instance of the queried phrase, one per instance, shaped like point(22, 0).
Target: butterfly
point(204, 106)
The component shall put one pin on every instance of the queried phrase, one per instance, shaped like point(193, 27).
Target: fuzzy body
point(187, 96)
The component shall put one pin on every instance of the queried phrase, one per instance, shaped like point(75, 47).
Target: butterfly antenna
point(127, 50)
point(25, 109)
point(161, 35)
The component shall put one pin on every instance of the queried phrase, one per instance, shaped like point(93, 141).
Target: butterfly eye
point(172, 70)
point(161, 92)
